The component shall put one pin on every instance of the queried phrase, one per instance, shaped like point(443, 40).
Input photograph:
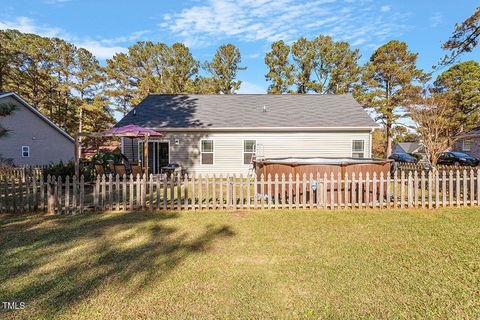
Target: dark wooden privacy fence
point(128, 193)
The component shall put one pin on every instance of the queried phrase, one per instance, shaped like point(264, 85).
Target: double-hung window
point(206, 156)
point(467, 145)
point(249, 149)
point(358, 149)
point(25, 151)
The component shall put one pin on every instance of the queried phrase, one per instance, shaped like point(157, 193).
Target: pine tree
point(224, 69)
point(460, 85)
point(335, 66)
point(281, 71)
point(388, 84)
point(464, 38)
point(303, 57)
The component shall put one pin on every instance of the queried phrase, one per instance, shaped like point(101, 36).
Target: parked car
point(457, 159)
point(403, 158)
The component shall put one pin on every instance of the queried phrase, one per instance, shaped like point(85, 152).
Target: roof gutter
point(265, 129)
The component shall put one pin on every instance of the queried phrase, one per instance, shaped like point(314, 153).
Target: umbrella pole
point(77, 156)
point(145, 155)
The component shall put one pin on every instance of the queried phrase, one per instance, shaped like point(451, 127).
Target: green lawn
point(243, 264)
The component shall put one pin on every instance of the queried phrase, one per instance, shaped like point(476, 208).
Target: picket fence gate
point(129, 193)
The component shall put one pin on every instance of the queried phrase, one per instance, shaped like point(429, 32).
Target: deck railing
point(181, 192)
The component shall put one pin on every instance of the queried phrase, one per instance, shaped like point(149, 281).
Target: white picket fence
point(128, 193)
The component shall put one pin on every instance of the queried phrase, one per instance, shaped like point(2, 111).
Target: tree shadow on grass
point(56, 262)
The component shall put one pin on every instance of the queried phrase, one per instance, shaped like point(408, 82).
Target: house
point(415, 148)
point(32, 139)
point(468, 142)
point(220, 134)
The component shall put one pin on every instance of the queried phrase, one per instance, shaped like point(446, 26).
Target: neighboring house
point(410, 148)
point(219, 134)
point(469, 143)
point(32, 139)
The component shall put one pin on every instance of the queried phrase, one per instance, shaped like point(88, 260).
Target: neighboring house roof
point(474, 133)
point(245, 111)
point(408, 147)
point(36, 112)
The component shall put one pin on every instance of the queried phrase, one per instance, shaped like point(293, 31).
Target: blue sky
point(106, 27)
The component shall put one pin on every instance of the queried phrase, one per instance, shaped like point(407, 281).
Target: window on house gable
point(249, 149)
point(358, 149)
point(467, 145)
point(25, 151)
point(206, 156)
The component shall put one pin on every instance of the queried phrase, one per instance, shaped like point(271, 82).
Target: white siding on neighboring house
point(228, 147)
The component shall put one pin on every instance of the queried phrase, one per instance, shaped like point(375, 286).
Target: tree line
point(69, 85)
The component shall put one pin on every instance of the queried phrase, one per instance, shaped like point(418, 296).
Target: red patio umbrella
point(128, 131)
point(133, 131)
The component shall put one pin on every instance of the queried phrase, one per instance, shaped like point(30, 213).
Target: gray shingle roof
point(475, 132)
point(409, 147)
point(247, 111)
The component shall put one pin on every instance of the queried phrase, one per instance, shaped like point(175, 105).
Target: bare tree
point(434, 126)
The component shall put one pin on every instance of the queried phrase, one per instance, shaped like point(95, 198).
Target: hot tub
point(321, 165)
point(314, 170)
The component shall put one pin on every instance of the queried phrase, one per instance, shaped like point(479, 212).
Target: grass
point(243, 264)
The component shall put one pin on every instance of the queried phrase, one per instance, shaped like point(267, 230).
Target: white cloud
point(27, 25)
point(385, 8)
point(272, 20)
point(251, 88)
point(436, 19)
point(101, 48)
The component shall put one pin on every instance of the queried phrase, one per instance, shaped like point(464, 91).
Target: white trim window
point(249, 150)
point(206, 151)
point(358, 148)
point(25, 151)
point(466, 145)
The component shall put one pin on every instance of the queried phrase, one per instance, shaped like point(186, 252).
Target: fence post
point(248, 189)
point(214, 191)
point(255, 189)
point(339, 190)
point(124, 192)
point(410, 189)
point(185, 192)
point(465, 188)
point(472, 188)
point(430, 192)
point(165, 192)
point(395, 189)
point(332, 191)
point(381, 195)
point(67, 194)
point(269, 191)
point(172, 192)
point(423, 188)
point(353, 192)
point(458, 185)
point(222, 205)
point(276, 191)
point(367, 190)
point(374, 192)
point(478, 187)
point(179, 191)
point(387, 191)
point(451, 192)
point(284, 192)
point(82, 193)
point(402, 189)
point(207, 190)
point(415, 188)
point(444, 188)
point(360, 190)
point(325, 191)
point(437, 189)
point(242, 205)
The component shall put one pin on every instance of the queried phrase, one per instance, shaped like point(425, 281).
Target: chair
point(111, 167)
point(99, 169)
point(136, 169)
point(120, 169)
